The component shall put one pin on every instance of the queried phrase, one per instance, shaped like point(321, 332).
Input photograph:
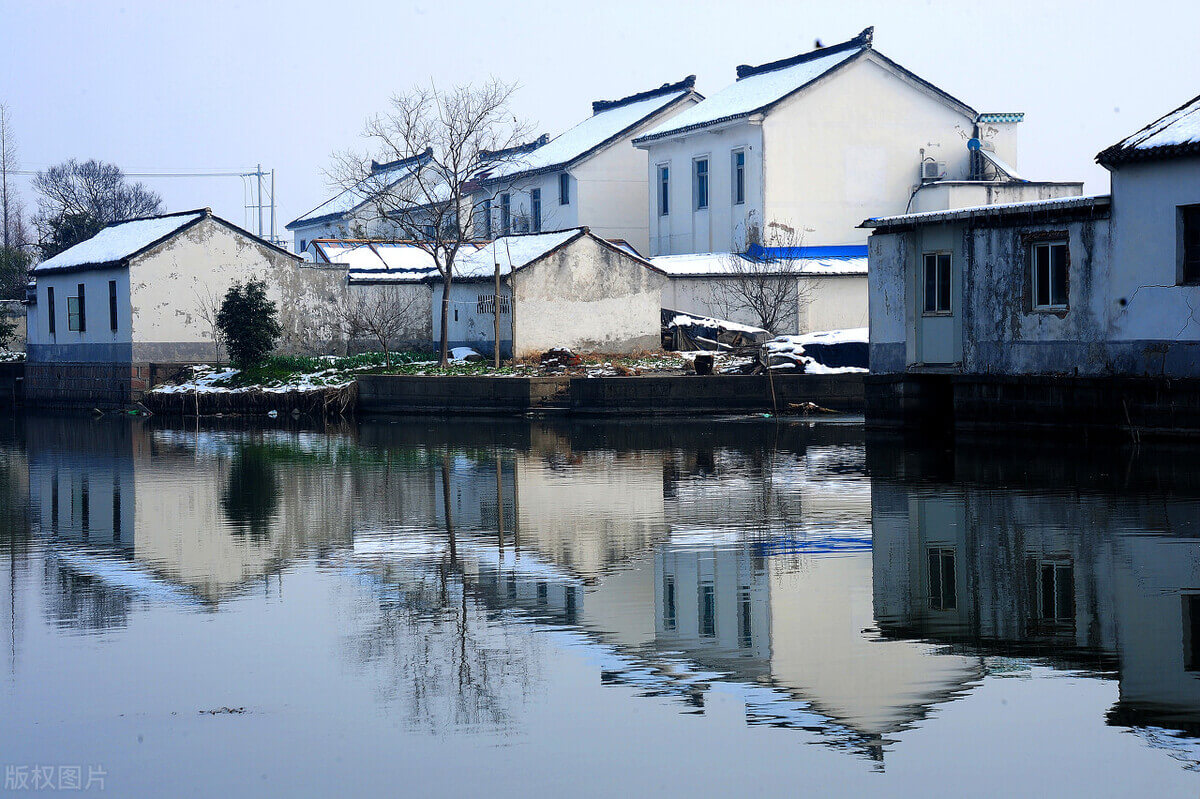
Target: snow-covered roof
point(809, 261)
point(405, 262)
point(1177, 133)
point(120, 241)
point(382, 177)
point(610, 121)
point(1094, 203)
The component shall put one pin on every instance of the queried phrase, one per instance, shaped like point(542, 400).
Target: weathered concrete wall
point(472, 324)
point(99, 341)
point(404, 394)
point(832, 303)
point(888, 302)
point(418, 332)
point(700, 296)
point(59, 384)
point(588, 297)
point(168, 286)
point(948, 194)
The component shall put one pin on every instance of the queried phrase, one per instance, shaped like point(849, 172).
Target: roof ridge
point(687, 84)
point(529, 146)
point(1126, 147)
point(862, 40)
point(386, 166)
point(116, 222)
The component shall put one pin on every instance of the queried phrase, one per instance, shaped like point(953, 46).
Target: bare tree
point(208, 308)
point(440, 138)
point(763, 281)
point(78, 199)
point(382, 312)
point(10, 203)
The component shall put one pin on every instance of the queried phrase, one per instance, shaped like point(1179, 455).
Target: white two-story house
point(815, 142)
point(590, 175)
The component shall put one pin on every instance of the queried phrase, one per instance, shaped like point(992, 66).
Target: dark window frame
point(487, 218)
point(50, 309)
point(505, 214)
point(564, 188)
point(1189, 244)
point(112, 305)
point(943, 592)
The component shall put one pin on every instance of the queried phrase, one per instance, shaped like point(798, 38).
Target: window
point(303, 245)
point(701, 184)
point(1050, 276)
point(664, 190)
point(50, 307)
point(535, 209)
point(485, 304)
point(543, 593)
point(74, 318)
point(668, 603)
point(112, 305)
point(429, 232)
point(505, 219)
point(487, 218)
point(572, 607)
point(1189, 218)
point(564, 189)
point(116, 525)
point(943, 593)
point(745, 628)
point(937, 282)
point(708, 610)
point(1056, 597)
point(738, 178)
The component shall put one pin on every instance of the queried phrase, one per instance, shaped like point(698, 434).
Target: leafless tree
point(763, 280)
point(208, 305)
point(77, 199)
point(382, 312)
point(10, 204)
point(441, 138)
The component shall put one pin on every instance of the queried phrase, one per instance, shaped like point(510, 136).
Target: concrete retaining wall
point(11, 384)
point(1120, 407)
point(404, 394)
point(606, 395)
point(84, 385)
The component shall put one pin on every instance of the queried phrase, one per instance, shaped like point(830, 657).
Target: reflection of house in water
point(195, 516)
point(1092, 576)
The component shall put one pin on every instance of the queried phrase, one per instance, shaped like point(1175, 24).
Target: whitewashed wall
point(587, 297)
point(826, 303)
point(99, 342)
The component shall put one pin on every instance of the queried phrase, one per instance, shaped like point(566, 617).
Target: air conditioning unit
point(933, 170)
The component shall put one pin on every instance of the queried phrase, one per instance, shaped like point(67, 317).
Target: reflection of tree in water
point(439, 646)
point(251, 494)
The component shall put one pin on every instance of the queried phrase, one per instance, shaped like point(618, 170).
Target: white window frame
point(707, 161)
point(664, 204)
point(734, 175)
point(1035, 281)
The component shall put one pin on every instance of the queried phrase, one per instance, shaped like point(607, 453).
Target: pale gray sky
point(156, 86)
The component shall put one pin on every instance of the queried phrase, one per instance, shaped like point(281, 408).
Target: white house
point(351, 213)
point(830, 291)
point(564, 288)
point(138, 292)
point(818, 142)
point(589, 175)
point(1103, 285)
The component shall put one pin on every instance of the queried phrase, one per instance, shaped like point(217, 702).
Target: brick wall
point(85, 385)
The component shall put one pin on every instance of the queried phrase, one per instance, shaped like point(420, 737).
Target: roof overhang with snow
point(1174, 135)
point(999, 214)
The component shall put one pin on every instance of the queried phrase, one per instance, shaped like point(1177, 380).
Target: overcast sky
point(224, 85)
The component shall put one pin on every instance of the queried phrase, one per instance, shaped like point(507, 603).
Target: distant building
point(589, 175)
point(830, 286)
point(565, 288)
point(1103, 286)
point(817, 142)
point(101, 312)
point(354, 212)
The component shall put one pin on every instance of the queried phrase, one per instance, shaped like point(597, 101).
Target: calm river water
point(530, 608)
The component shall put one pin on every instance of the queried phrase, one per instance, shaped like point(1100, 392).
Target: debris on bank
point(826, 353)
point(684, 332)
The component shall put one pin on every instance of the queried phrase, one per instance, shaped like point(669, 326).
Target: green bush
point(249, 323)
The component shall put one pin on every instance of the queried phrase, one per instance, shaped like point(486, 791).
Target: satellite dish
point(974, 145)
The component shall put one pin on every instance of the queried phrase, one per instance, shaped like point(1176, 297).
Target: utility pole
point(273, 207)
point(260, 201)
point(496, 314)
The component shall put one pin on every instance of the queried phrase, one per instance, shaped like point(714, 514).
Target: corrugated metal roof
point(1052, 206)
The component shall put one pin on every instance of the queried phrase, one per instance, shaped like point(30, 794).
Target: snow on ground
point(708, 321)
point(8, 356)
point(213, 380)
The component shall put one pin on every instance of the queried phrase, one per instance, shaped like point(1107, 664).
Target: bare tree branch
point(381, 312)
point(763, 282)
point(433, 143)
